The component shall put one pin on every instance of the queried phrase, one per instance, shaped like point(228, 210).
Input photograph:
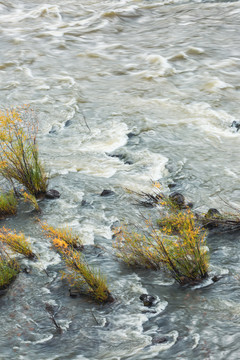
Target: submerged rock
point(178, 199)
point(216, 278)
point(107, 193)
point(159, 340)
point(172, 185)
point(68, 123)
point(3, 292)
point(121, 157)
point(236, 125)
point(26, 269)
point(212, 213)
point(52, 194)
point(73, 292)
point(55, 128)
point(110, 298)
point(148, 300)
point(131, 134)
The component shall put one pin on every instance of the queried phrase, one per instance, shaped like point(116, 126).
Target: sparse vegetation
point(19, 157)
point(177, 245)
point(81, 275)
point(63, 234)
point(9, 269)
point(8, 204)
point(16, 242)
point(31, 199)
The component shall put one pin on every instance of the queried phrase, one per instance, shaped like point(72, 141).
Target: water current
point(126, 92)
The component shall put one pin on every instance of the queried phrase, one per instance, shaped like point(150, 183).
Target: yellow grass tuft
point(178, 247)
point(16, 242)
point(9, 268)
point(63, 234)
point(8, 204)
point(80, 274)
point(19, 157)
point(32, 200)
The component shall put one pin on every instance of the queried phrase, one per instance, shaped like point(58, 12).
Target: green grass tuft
point(8, 271)
point(19, 156)
point(8, 204)
point(178, 247)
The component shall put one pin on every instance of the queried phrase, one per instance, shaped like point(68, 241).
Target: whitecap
point(109, 139)
point(215, 84)
point(43, 340)
point(196, 338)
point(155, 349)
point(147, 166)
point(45, 10)
point(195, 51)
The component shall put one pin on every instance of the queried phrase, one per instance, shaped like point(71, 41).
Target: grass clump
point(29, 198)
point(16, 242)
point(81, 275)
point(63, 234)
point(179, 247)
point(8, 204)
point(19, 156)
point(9, 269)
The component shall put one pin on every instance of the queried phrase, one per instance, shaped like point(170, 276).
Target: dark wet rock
point(212, 213)
point(54, 130)
point(150, 311)
point(26, 269)
point(178, 199)
point(85, 203)
point(68, 123)
point(52, 194)
point(119, 156)
point(190, 205)
point(159, 340)
point(122, 157)
point(131, 135)
point(107, 323)
point(216, 278)
point(110, 298)
point(73, 292)
point(115, 224)
point(148, 300)
point(172, 185)
point(211, 219)
point(236, 125)
point(107, 193)
point(3, 292)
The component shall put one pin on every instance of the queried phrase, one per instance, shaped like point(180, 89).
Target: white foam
point(101, 166)
point(215, 85)
point(154, 350)
point(109, 139)
point(156, 66)
point(44, 10)
point(196, 338)
point(195, 51)
point(148, 166)
point(128, 319)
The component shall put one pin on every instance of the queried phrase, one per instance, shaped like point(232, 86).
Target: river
point(126, 93)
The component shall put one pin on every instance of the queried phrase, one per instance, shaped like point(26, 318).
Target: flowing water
point(126, 92)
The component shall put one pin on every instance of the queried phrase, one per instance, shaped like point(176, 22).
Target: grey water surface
point(126, 92)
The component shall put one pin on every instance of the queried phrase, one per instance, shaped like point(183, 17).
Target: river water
point(126, 92)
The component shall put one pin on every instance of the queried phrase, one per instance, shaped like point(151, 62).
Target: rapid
point(126, 92)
